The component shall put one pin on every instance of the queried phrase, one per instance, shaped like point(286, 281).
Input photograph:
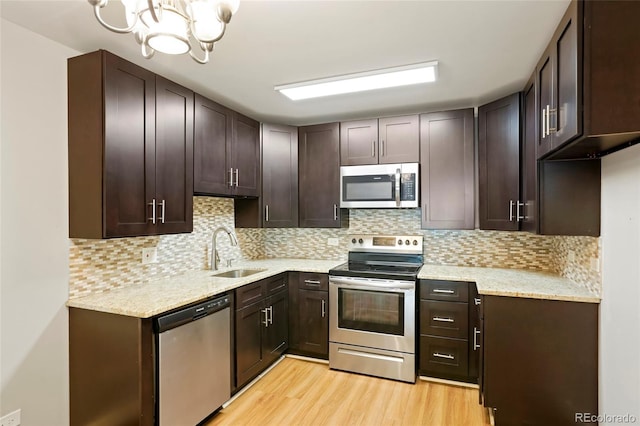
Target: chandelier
point(172, 26)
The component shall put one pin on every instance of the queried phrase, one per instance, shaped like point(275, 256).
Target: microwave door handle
point(398, 187)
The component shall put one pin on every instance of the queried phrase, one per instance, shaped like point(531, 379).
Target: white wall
point(34, 267)
point(620, 307)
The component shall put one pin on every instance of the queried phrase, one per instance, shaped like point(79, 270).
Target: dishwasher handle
point(191, 313)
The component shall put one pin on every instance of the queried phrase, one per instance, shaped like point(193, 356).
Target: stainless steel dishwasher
point(193, 362)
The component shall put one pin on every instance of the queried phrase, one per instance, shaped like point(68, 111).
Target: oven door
point(372, 313)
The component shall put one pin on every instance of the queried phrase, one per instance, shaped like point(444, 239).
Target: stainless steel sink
point(238, 273)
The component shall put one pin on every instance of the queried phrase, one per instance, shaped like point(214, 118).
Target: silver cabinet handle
point(266, 213)
point(544, 123)
point(519, 217)
point(163, 209)
point(511, 203)
point(373, 148)
point(398, 187)
point(549, 128)
point(231, 177)
point(445, 356)
point(440, 290)
point(335, 212)
point(382, 149)
point(153, 211)
point(266, 318)
point(477, 300)
point(237, 177)
point(271, 315)
point(324, 304)
point(440, 319)
point(476, 333)
point(312, 282)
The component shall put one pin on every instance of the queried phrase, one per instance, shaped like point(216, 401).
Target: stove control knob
point(399, 242)
point(360, 241)
point(407, 242)
point(415, 242)
point(353, 241)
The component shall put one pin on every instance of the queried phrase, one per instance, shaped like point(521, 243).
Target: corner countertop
point(162, 295)
point(512, 282)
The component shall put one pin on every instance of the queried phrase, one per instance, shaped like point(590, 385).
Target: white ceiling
point(485, 49)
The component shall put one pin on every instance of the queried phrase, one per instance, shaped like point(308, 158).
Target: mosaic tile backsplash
point(100, 265)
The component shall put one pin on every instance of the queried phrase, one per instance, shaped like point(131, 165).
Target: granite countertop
point(162, 295)
point(512, 282)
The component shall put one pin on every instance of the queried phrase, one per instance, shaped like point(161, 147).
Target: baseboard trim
point(308, 358)
point(449, 382)
point(253, 382)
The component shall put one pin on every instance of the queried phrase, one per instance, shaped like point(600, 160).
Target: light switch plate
point(595, 264)
point(571, 256)
point(332, 241)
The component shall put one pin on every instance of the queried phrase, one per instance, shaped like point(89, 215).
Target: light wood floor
point(300, 392)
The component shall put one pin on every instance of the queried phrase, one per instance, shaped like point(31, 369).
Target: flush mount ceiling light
point(170, 26)
point(379, 79)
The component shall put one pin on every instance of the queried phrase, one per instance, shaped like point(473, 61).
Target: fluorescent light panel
point(359, 82)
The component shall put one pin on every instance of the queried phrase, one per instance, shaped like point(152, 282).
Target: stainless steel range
point(373, 307)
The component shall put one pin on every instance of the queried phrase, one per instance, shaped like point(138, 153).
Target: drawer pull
point(445, 356)
point(440, 290)
point(312, 282)
point(440, 319)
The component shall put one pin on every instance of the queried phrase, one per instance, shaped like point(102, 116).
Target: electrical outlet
point(11, 419)
point(332, 241)
point(572, 256)
point(595, 264)
point(149, 255)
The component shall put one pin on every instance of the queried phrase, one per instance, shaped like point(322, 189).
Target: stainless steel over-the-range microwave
point(379, 186)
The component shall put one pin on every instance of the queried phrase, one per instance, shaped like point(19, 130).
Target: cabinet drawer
point(443, 356)
point(313, 281)
point(454, 291)
point(276, 284)
point(250, 293)
point(447, 319)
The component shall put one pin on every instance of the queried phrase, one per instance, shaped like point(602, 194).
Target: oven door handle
point(367, 284)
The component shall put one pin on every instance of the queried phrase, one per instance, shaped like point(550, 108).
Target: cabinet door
point(129, 148)
point(529, 170)
point(249, 326)
point(359, 142)
point(499, 163)
point(276, 333)
point(319, 152)
point(398, 140)
point(566, 120)
point(245, 154)
point(280, 176)
point(544, 80)
point(174, 157)
point(447, 175)
point(314, 322)
point(212, 142)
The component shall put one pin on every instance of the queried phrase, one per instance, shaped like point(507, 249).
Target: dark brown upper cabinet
point(130, 150)
point(319, 176)
point(588, 103)
point(447, 169)
point(227, 151)
point(499, 164)
point(385, 141)
point(559, 197)
point(279, 176)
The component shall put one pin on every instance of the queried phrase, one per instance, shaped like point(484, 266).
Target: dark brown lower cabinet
point(261, 326)
point(540, 360)
point(447, 325)
point(111, 369)
point(309, 314)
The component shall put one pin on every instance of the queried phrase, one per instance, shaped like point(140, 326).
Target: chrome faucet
point(214, 251)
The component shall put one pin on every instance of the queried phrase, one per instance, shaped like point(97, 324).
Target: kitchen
point(39, 263)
